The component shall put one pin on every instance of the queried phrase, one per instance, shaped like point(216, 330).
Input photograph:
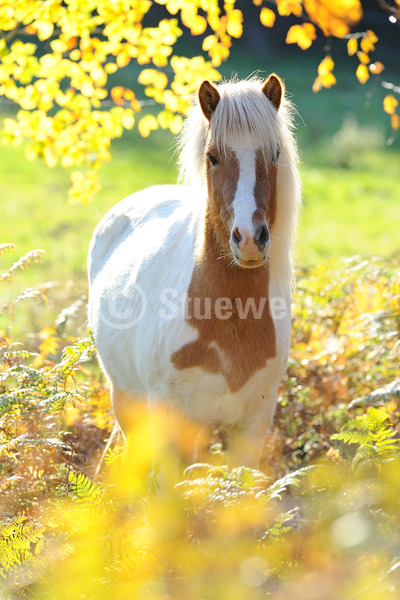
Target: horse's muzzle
point(250, 251)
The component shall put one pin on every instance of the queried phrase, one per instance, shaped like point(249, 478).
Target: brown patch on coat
point(244, 345)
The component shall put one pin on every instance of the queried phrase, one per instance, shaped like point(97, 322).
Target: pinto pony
point(190, 284)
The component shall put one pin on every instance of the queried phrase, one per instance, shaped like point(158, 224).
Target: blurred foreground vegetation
point(319, 522)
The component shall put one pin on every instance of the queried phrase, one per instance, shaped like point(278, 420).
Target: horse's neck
point(216, 275)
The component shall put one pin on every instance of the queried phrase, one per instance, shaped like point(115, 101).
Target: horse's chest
point(222, 384)
point(233, 348)
point(206, 397)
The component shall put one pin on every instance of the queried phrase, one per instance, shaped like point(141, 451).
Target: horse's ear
point(273, 88)
point(209, 98)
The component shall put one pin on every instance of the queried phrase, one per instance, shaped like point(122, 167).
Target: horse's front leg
point(160, 437)
point(246, 442)
point(130, 412)
point(175, 441)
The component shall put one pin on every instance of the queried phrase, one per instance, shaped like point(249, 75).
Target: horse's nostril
point(262, 236)
point(236, 237)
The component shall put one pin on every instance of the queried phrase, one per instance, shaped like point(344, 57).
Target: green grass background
point(350, 178)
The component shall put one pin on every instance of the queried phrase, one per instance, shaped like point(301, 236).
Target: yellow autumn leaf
point(325, 76)
point(352, 46)
point(153, 77)
point(59, 46)
point(87, 88)
point(99, 76)
point(209, 42)
point(362, 73)
point(326, 66)
point(75, 54)
point(257, 2)
point(134, 102)
point(395, 121)
point(363, 58)
point(289, 7)
point(368, 41)
point(123, 59)
point(110, 68)
point(128, 120)
point(29, 97)
point(390, 103)
point(164, 118)
point(50, 343)
point(218, 54)
point(334, 18)
point(168, 120)
point(191, 19)
point(129, 95)
point(117, 94)
point(44, 29)
point(147, 124)
point(170, 100)
point(376, 68)
point(234, 25)
point(329, 80)
point(302, 35)
point(7, 20)
point(198, 25)
point(38, 362)
point(267, 17)
point(84, 187)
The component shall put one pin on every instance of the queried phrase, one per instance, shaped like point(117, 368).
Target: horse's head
point(242, 166)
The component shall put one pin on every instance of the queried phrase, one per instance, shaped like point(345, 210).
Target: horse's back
point(139, 217)
point(143, 246)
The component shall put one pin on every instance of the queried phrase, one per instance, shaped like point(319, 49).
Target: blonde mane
point(245, 116)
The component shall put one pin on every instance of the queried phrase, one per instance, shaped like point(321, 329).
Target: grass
point(350, 186)
point(349, 212)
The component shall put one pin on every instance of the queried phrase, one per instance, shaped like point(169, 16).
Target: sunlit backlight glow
point(351, 530)
point(253, 571)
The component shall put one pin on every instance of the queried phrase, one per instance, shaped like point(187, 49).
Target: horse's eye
point(275, 158)
point(213, 159)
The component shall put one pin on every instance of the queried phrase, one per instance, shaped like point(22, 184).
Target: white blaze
point(244, 204)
